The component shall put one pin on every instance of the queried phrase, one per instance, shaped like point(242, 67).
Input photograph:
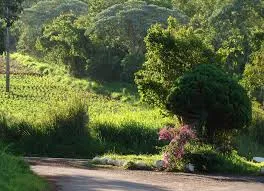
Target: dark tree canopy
point(9, 12)
point(209, 98)
point(14, 7)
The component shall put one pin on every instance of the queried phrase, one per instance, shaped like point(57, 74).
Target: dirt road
point(76, 179)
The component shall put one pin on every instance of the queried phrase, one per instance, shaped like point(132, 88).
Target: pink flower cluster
point(167, 134)
point(178, 139)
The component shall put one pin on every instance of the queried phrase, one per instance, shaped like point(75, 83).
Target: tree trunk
point(7, 52)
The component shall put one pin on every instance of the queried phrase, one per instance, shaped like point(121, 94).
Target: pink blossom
point(178, 139)
point(166, 134)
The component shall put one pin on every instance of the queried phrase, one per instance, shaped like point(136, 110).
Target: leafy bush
point(170, 53)
point(208, 159)
point(130, 65)
point(253, 78)
point(211, 100)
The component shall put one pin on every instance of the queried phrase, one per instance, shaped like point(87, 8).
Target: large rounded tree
point(211, 100)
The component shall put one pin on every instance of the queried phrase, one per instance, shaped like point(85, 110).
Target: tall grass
point(15, 175)
point(63, 133)
point(125, 127)
point(250, 143)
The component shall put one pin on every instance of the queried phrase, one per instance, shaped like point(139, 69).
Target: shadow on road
point(226, 177)
point(88, 183)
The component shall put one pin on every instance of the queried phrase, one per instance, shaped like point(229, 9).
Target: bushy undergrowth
point(209, 159)
point(205, 158)
point(15, 175)
point(63, 133)
point(250, 143)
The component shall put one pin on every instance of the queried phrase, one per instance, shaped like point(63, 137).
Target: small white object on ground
point(104, 161)
point(141, 165)
point(190, 167)
point(118, 163)
point(258, 159)
point(110, 162)
point(160, 164)
point(97, 160)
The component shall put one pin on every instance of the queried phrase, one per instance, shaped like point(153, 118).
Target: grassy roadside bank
point(15, 175)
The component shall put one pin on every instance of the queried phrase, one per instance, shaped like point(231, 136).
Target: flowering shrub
point(178, 138)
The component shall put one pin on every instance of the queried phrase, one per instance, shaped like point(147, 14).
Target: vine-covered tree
point(170, 53)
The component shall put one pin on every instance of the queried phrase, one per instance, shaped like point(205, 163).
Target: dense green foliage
point(125, 26)
point(14, 8)
point(35, 17)
point(9, 11)
point(115, 30)
point(63, 42)
point(211, 100)
point(170, 53)
point(15, 175)
point(253, 77)
point(237, 27)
